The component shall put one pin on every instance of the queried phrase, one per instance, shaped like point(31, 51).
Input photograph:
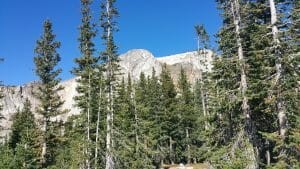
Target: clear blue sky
point(163, 27)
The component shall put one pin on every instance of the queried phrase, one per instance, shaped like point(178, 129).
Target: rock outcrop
point(133, 62)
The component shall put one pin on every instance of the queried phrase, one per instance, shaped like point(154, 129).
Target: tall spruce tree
point(109, 57)
point(202, 40)
point(7, 156)
point(284, 81)
point(24, 138)
point(187, 114)
point(100, 110)
point(46, 60)
point(232, 45)
point(154, 102)
point(169, 120)
point(85, 70)
point(143, 124)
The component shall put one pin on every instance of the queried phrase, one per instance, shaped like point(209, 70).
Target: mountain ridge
point(134, 62)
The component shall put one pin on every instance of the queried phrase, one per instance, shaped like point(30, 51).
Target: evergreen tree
point(284, 53)
point(203, 39)
point(85, 70)
point(109, 57)
point(186, 112)
point(24, 138)
point(169, 120)
point(123, 124)
point(143, 125)
point(154, 102)
point(23, 121)
point(98, 119)
point(236, 84)
point(7, 156)
point(46, 60)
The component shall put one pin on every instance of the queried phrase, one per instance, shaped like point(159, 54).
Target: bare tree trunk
point(109, 119)
point(171, 149)
point(44, 144)
point(88, 122)
point(97, 128)
point(282, 118)
point(203, 101)
point(235, 7)
point(136, 125)
point(268, 155)
point(188, 146)
point(201, 89)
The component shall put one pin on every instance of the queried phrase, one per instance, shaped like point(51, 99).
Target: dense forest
point(245, 113)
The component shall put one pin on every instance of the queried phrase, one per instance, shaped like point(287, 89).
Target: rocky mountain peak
point(132, 62)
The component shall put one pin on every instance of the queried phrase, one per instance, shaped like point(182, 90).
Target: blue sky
point(163, 27)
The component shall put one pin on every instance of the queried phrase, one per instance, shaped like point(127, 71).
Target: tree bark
point(136, 124)
point(203, 101)
point(188, 146)
point(201, 89)
point(171, 149)
point(268, 155)
point(109, 119)
point(44, 144)
point(282, 118)
point(235, 7)
point(88, 122)
point(97, 128)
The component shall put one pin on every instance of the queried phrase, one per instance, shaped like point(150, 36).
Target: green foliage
point(152, 121)
point(7, 157)
point(86, 101)
point(46, 60)
point(24, 138)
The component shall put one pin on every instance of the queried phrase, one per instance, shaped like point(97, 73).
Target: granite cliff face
point(133, 62)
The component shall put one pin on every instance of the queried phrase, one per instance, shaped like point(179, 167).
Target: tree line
point(242, 114)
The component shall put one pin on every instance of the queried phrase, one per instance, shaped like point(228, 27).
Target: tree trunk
point(203, 101)
point(171, 150)
point(188, 146)
point(136, 125)
point(201, 90)
point(282, 118)
point(97, 128)
point(109, 119)
point(44, 144)
point(235, 7)
point(268, 155)
point(88, 122)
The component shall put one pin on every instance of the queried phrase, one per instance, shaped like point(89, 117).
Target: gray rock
point(133, 62)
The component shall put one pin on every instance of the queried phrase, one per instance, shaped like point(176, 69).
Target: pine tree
point(109, 57)
point(124, 126)
point(285, 54)
point(85, 70)
point(7, 156)
point(234, 53)
point(100, 105)
point(187, 113)
point(154, 102)
point(24, 138)
point(169, 119)
point(46, 60)
point(202, 39)
point(143, 124)
point(23, 121)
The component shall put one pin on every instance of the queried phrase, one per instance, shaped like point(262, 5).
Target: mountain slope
point(133, 62)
